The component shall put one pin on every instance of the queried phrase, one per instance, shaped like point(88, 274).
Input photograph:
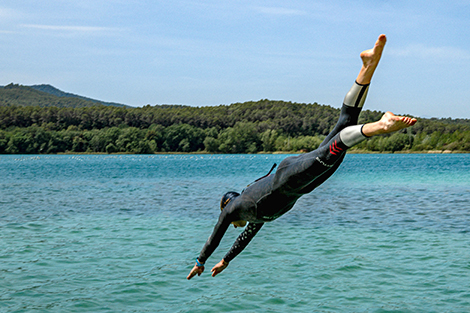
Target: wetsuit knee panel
point(352, 135)
point(356, 95)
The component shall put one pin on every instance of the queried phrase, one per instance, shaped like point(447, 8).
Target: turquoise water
point(387, 233)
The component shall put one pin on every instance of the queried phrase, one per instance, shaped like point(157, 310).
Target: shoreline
point(275, 152)
point(410, 152)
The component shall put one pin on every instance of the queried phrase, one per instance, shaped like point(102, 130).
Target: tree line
point(250, 127)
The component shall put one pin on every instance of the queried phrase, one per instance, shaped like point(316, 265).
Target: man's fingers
point(216, 271)
point(192, 274)
point(194, 271)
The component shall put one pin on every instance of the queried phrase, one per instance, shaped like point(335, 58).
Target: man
point(273, 195)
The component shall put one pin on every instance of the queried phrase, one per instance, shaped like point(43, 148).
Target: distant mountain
point(46, 96)
point(59, 93)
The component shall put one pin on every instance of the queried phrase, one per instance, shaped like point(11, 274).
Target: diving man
point(273, 195)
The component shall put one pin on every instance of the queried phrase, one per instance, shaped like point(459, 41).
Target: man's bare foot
point(372, 56)
point(389, 123)
point(370, 60)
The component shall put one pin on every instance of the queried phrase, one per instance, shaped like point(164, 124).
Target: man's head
point(229, 196)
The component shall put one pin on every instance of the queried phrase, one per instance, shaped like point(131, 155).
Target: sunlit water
point(387, 233)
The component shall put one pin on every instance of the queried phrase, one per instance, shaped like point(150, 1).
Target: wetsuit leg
point(329, 157)
point(352, 107)
point(323, 177)
point(313, 168)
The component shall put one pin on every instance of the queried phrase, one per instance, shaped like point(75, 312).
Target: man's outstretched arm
point(225, 218)
point(242, 241)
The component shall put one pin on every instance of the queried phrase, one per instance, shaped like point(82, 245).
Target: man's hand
point(196, 270)
point(219, 267)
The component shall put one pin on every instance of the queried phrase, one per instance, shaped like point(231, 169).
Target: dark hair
point(227, 198)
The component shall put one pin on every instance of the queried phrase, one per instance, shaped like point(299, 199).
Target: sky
point(212, 52)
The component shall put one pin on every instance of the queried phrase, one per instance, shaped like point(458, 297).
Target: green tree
point(305, 143)
point(396, 142)
point(211, 144)
point(268, 139)
point(183, 138)
point(3, 141)
point(131, 140)
point(242, 138)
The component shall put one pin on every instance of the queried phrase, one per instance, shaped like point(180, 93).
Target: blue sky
point(220, 52)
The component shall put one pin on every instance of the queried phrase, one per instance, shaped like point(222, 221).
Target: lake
point(120, 233)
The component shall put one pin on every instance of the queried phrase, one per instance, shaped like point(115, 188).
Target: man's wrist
point(199, 264)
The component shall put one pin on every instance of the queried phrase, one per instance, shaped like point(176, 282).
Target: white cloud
point(421, 51)
point(66, 28)
point(7, 13)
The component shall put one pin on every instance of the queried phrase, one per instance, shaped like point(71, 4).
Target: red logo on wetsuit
point(334, 149)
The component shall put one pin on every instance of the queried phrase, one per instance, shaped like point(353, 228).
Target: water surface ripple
point(119, 233)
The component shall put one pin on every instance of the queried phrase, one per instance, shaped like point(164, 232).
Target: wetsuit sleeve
point(243, 240)
point(219, 230)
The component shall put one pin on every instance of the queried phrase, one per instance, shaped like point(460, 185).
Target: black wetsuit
point(272, 196)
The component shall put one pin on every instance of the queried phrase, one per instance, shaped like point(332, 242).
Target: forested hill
point(33, 121)
point(46, 96)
